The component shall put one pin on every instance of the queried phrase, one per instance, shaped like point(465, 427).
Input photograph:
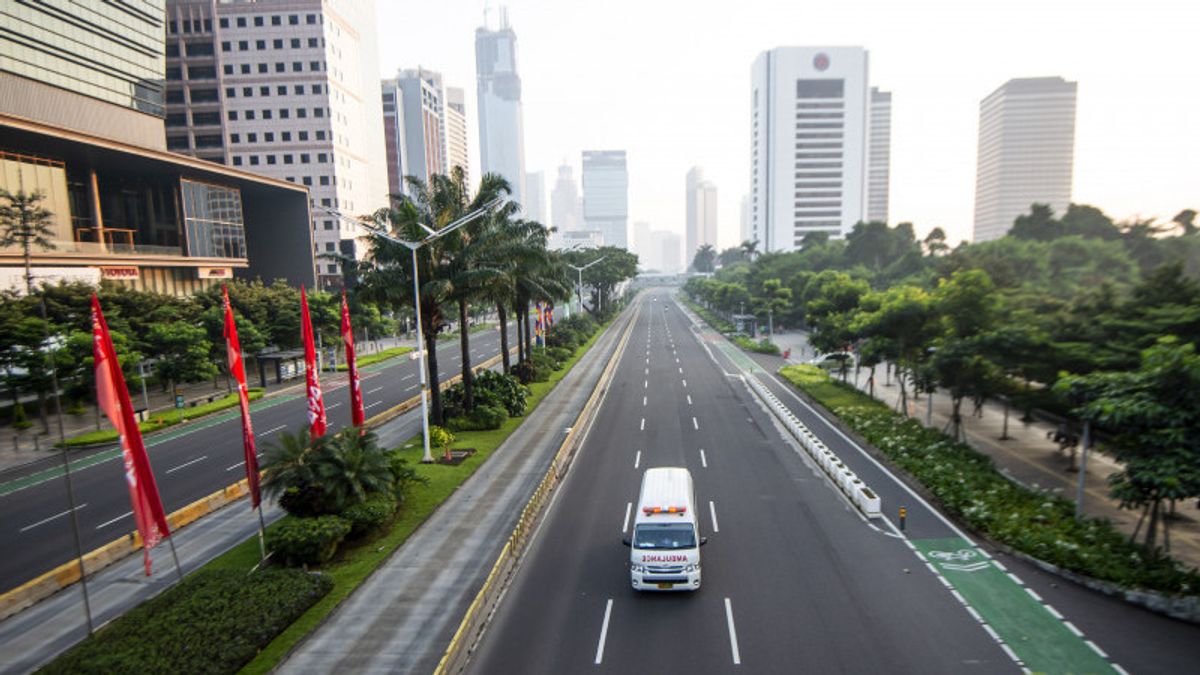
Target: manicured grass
point(377, 357)
point(355, 562)
point(968, 486)
point(164, 419)
point(763, 346)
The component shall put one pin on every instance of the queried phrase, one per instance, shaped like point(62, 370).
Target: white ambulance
point(665, 548)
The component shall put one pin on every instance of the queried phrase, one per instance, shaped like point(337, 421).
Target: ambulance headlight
point(636, 568)
point(692, 568)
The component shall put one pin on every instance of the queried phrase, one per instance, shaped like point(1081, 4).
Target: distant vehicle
point(665, 550)
point(834, 361)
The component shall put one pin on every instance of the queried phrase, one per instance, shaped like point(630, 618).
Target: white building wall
point(1026, 152)
point(457, 150)
point(535, 197)
point(809, 110)
point(501, 125)
point(565, 212)
point(606, 195)
point(879, 158)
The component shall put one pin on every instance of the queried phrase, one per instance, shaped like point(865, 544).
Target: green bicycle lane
point(1012, 614)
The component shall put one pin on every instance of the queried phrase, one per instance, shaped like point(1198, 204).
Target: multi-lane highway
point(189, 462)
point(794, 580)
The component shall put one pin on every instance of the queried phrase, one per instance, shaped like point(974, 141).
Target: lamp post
point(431, 235)
point(579, 287)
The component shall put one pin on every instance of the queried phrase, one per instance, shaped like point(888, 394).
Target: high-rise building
point(606, 195)
point(744, 228)
point(393, 135)
point(565, 212)
point(423, 99)
point(808, 160)
point(501, 129)
point(1026, 152)
point(670, 260)
point(641, 241)
point(535, 197)
point(291, 90)
point(82, 100)
point(701, 225)
point(879, 155)
point(456, 132)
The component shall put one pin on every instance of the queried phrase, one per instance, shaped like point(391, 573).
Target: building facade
point(1026, 152)
point(701, 212)
point(287, 89)
point(501, 124)
point(535, 198)
point(91, 142)
point(808, 158)
point(422, 97)
point(565, 212)
point(392, 100)
point(606, 195)
point(879, 155)
point(457, 150)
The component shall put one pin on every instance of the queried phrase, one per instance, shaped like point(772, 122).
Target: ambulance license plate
point(666, 585)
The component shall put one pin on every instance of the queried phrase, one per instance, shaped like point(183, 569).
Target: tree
point(903, 322)
point(24, 222)
point(960, 367)
point(1153, 416)
point(350, 466)
point(1186, 220)
point(1038, 225)
point(935, 243)
point(705, 259)
point(182, 353)
point(749, 249)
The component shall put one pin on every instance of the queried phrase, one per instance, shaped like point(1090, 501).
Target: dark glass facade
point(213, 220)
point(112, 51)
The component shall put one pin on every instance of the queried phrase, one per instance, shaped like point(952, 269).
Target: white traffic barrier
point(865, 499)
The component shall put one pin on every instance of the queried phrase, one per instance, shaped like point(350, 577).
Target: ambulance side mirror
point(703, 540)
point(626, 541)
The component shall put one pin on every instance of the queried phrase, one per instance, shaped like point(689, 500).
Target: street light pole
point(579, 287)
point(427, 457)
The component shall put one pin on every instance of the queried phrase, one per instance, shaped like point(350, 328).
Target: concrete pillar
point(96, 212)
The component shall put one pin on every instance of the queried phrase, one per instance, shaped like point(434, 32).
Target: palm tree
point(350, 466)
point(749, 249)
point(26, 223)
point(706, 255)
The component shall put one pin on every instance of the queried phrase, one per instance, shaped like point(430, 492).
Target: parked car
point(834, 361)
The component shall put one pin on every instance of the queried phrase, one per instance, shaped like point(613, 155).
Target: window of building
point(324, 180)
point(303, 135)
point(241, 22)
point(187, 25)
point(308, 180)
point(284, 113)
point(209, 141)
point(301, 112)
point(258, 21)
point(252, 137)
point(329, 225)
point(174, 28)
point(318, 112)
point(293, 19)
point(280, 67)
point(177, 142)
point(329, 247)
point(176, 119)
point(297, 66)
point(249, 114)
point(206, 118)
point(199, 49)
point(212, 216)
point(277, 44)
point(223, 23)
point(320, 134)
point(172, 49)
point(295, 43)
point(243, 45)
point(314, 65)
point(305, 158)
point(230, 92)
point(270, 159)
point(289, 159)
point(285, 136)
point(281, 90)
point(228, 69)
point(246, 68)
point(208, 25)
point(266, 113)
point(226, 46)
point(237, 160)
point(232, 115)
point(202, 73)
point(247, 92)
point(174, 73)
point(260, 44)
point(312, 42)
point(316, 89)
point(264, 91)
point(269, 137)
point(332, 268)
point(204, 96)
point(235, 138)
point(253, 160)
point(310, 19)
point(322, 158)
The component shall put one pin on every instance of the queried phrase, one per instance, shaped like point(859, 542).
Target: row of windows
point(305, 158)
point(818, 214)
point(190, 48)
point(818, 165)
point(260, 45)
point(284, 137)
point(276, 20)
point(818, 205)
point(284, 113)
point(197, 96)
point(264, 91)
point(175, 73)
point(818, 155)
point(819, 195)
point(200, 119)
point(810, 135)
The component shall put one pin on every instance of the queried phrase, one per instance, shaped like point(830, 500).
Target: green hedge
point(763, 346)
point(213, 622)
point(969, 487)
point(721, 325)
point(306, 541)
point(370, 515)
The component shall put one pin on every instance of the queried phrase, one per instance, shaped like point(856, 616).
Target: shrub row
point(763, 346)
point(968, 486)
point(721, 325)
point(215, 621)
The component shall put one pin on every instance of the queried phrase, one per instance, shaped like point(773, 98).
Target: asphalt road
point(794, 580)
point(189, 462)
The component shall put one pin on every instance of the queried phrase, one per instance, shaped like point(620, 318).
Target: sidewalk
point(1027, 457)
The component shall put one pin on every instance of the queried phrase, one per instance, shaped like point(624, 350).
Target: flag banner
point(113, 398)
point(357, 414)
point(537, 324)
point(316, 402)
point(237, 368)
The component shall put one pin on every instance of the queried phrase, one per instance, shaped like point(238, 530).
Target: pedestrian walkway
point(1028, 456)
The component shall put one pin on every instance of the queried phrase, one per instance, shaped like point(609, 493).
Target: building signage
point(119, 272)
point(214, 272)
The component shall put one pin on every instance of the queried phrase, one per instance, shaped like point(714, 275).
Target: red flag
point(316, 403)
point(233, 352)
point(357, 414)
point(113, 399)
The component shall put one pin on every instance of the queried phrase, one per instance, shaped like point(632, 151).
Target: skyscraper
point(565, 213)
point(744, 211)
point(456, 132)
point(422, 97)
point(808, 161)
point(606, 195)
point(535, 197)
point(701, 225)
point(879, 157)
point(1026, 152)
point(501, 129)
point(293, 93)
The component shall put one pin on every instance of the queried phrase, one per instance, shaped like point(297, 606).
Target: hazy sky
point(669, 81)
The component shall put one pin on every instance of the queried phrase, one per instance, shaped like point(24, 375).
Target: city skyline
point(1124, 120)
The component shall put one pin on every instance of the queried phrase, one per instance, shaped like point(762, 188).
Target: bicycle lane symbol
point(959, 560)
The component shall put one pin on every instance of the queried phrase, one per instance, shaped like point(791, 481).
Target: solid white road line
point(373, 405)
point(372, 391)
point(689, 396)
point(713, 511)
point(46, 520)
point(733, 645)
point(186, 464)
point(272, 430)
point(637, 459)
point(695, 424)
point(110, 522)
point(703, 459)
point(628, 509)
point(643, 424)
point(603, 632)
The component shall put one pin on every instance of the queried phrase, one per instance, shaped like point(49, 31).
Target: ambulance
point(665, 547)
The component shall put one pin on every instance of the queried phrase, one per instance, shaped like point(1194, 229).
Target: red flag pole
point(316, 402)
point(113, 398)
point(237, 368)
point(357, 413)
